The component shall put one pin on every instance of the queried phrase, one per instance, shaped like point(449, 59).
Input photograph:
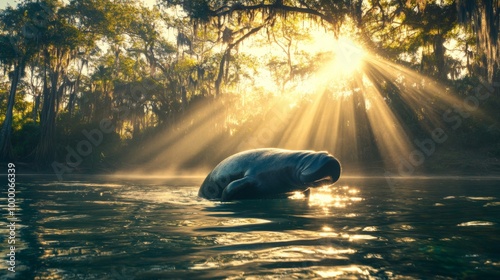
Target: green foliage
point(22, 108)
point(25, 140)
point(72, 133)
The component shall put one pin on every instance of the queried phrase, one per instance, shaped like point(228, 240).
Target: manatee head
point(318, 168)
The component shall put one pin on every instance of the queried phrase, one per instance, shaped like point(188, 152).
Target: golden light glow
point(326, 228)
point(348, 57)
point(334, 251)
point(327, 231)
point(298, 195)
point(345, 59)
point(342, 107)
point(345, 271)
point(327, 197)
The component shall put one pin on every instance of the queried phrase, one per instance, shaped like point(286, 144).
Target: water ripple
point(363, 230)
point(476, 224)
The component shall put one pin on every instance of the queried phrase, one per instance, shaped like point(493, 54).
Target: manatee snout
point(322, 169)
point(332, 169)
point(210, 191)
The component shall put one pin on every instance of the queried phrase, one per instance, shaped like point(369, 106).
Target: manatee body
point(269, 173)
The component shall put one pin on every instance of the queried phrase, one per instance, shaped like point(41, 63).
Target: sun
point(347, 54)
point(342, 55)
point(348, 57)
point(344, 58)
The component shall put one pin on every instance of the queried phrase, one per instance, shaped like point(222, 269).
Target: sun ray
point(357, 106)
point(389, 134)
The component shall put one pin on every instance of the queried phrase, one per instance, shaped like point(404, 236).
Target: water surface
point(102, 228)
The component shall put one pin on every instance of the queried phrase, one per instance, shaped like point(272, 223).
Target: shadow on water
point(101, 229)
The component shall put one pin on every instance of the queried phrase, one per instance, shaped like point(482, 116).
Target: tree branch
point(227, 10)
point(227, 54)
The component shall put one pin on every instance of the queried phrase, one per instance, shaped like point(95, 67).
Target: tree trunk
point(439, 57)
point(6, 152)
point(36, 105)
point(46, 151)
point(220, 75)
point(227, 56)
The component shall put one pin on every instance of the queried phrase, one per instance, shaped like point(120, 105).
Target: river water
point(359, 228)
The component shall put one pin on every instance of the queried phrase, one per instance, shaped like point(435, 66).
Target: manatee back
point(253, 162)
point(228, 170)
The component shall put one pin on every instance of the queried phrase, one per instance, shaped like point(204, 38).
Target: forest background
point(97, 86)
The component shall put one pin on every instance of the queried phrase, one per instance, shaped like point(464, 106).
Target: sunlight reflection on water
point(475, 224)
point(346, 271)
point(327, 197)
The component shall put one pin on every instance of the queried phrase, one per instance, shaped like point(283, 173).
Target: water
point(95, 228)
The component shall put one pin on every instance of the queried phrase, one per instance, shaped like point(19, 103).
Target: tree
point(74, 30)
point(483, 17)
point(19, 43)
point(60, 43)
